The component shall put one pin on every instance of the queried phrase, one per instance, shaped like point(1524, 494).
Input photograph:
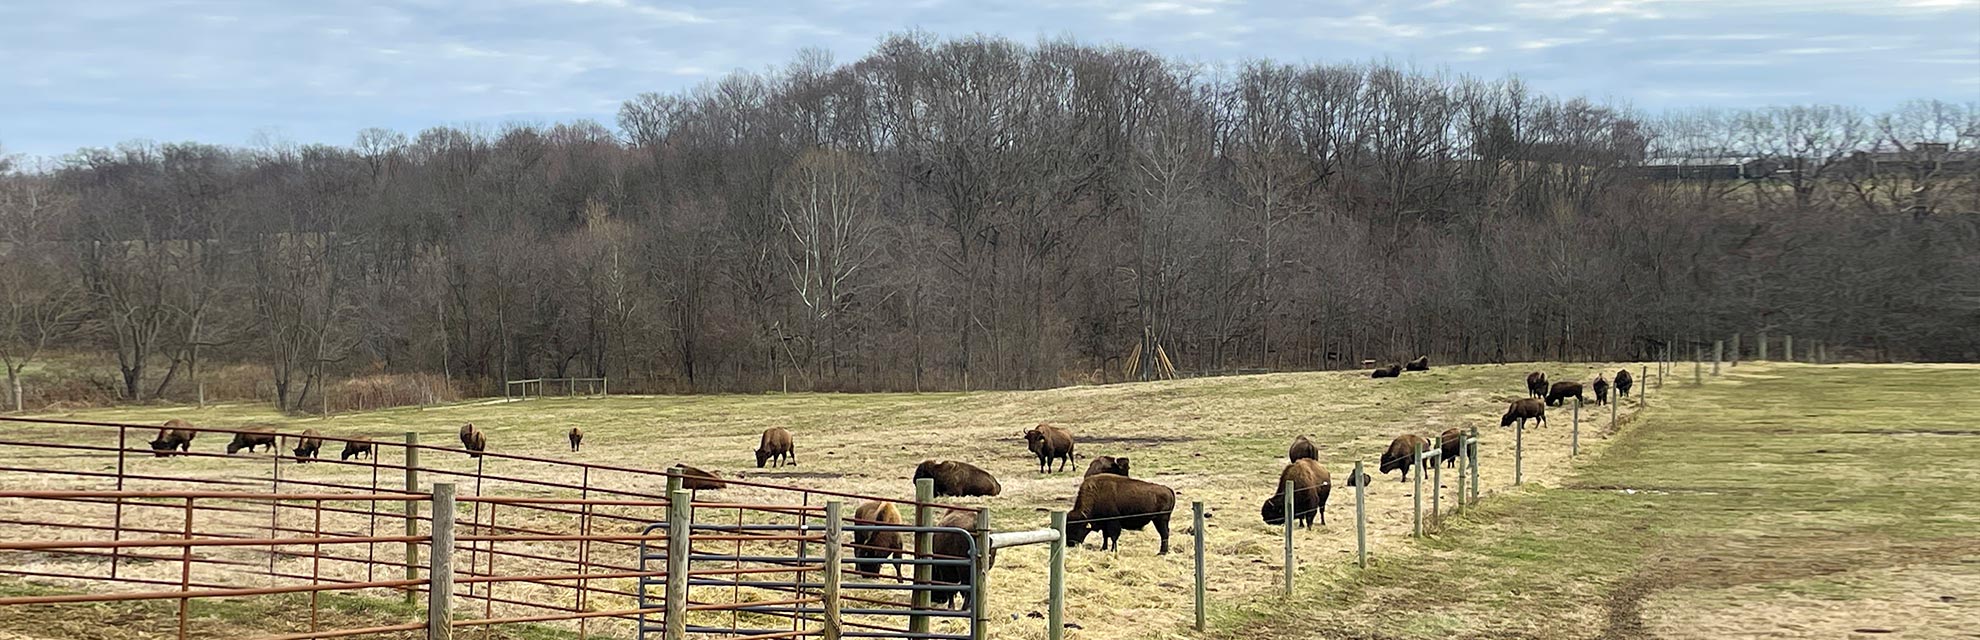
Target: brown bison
point(1522, 410)
point(307, 446)
point(1311, 485)
point(252, 438)
point(872, 548)
point(1421, 363)
point(958, 478)
point(1302, 448)
point(952, 545)
point(1401, 453)
point(1453, 440)
point(1623, 382)
point(698, 480)
point(577, 439)
point(1049, 443)
point(1536, 384)
point(1108, 464)
point(776, 446)
point(175, 435)
point(473, 440)
point(1111, 503)
point(1601, 389)
point(1391, 371)
point(358, 446)
point(1563, 390)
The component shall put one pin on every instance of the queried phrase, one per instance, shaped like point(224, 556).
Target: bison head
point(160, 446)
point(1274, 510)
point(1506, 420)
point(762, 455)
point(1108, 464)
point(1033, 439)
point(1076, 528)
point(238, 444)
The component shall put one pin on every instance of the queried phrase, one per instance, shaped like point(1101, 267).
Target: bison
point(473, 440)
point(577, 439)
point(1563, 390)
point(1111, 503)
point(1302, 448)
point(1623, 382)
point(1049, 443)
point(1108, 464)
point(175, 435)
point(776, 445)
point(1391, 371)
point(694, 479)
point(953, 545)
point(1453, 441)
point(958, 478)
point(872, 548)
point(1421, 363)
point(1601, 389)
point(1522, 410)
point(252, 438)
point(1536, 384)
point(1310, 488)
point(358, 446)
point(1402, 453)
point(307, 446)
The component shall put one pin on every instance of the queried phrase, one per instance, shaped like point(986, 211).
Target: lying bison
point(958, 478)
point(1563, 390)
point(1310, 488)
point(357, 446)
point(1302, 448)
point(1402, 453)
point(473, 440)
point(1536, 384)
point(252, 438)
point(1049, 443)
point(307, 446)
point(1111, 503)
point(1623, 383)
point(1421, 363)
point(1391, 371)
point(1601, 390)
point(1522, 410)
point(694, 479)
point(873, 548)
point(175, 435)
point(953, 545)
point(577, 439)
point(777, 446)
point(1108, 464)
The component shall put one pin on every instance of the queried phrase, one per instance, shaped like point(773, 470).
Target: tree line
point(980, 213)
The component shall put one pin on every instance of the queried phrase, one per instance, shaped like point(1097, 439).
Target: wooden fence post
point(440, 577)
point(1697, 366)
point(1574, 438)
point(1787, 348)
point(1291, 508)
point(1360, 516)
point(412, 510)
point(1416, 464)
point(924, 517)
point(680, 527)
point(1472, 451)
point(1519, 453)
point(1437, 488)
point(1197, 507)
point(1762, 353)
point(979, 604)
point(1735, 350)
point(1643, 395)
point(829, 594)
point(1718, 354)
point(1055, 606)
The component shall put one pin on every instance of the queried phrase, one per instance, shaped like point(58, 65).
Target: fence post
point(1197, 507)
point(1643, 397)
point(440, 577)
point(1360, 516)
point(1437, 487)
point(924, 517)
point(1574, 438)
point(412, 510)
point(680, 526)
point(830, 593)
point(1291, 508)
point(1462, 467)
point(1762, 354)
point(1787, 348)
point(1697, 366)
point(1735, 350)
point(1519, 453)
point(1612, 412)
point(605, 387)
point(1472, 450)
point(1718, 354)
point(1416, 464)
point(1055, 607)
point(979, 605)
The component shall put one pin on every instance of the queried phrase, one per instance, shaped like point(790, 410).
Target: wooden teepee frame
point(1148, 360)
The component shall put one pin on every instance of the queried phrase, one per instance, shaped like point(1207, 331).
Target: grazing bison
point(473, 440)
point(358, 446)
point(1453, 440)
point(776, 445)
point(1391, 371)
point(958, 478)
point(1421, 363)
point(873, 548)
point(251, 438)
point(577, 439)
point(1361, 480)
point(1111, 503)
point(1563, 390)
point(1601, 389)
point(1536, 384)
point(1522, 410)
point(697, 480)
point(1310, 488)
point(1402, 452)
point(1049, 443)
point(175, 435)
point(1623, 382)
point(1302, 448)
point(307, 446)
point(1108, 464)
point(954, 545)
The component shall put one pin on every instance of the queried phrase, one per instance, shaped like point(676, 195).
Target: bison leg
point(1162, 528)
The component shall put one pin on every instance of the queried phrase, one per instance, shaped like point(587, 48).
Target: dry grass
point(1219, 440)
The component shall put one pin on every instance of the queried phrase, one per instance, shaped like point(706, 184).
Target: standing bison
point(958, 478)
point(357, 446)
point(1302, 448)
point(252, 438)
point(1536, 384)
point(1453, 441)
point(1623, 383)
point(1111, 503)
point(1049, 443)
point(577, 439)
point(1601, 390)
point(1402, 453)
point(1522, 410)
point(1310, 488)
point(1563, 390)
point(872, 548)
point(175, 435)
point(776, 445)
point(473, 440)
point(307, 446)
point(953, 545)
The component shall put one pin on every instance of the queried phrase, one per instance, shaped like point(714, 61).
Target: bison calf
point(1402, 454)
point(307, 446)
point(473, 440)
point(1563, 390)
point(776, 445)
point(1049, 443)
point(1522, 410)
point(1536, 384)
point(1111, 503)
point(1108, 464)
point(358, 446)
point(1311, 485)
point(1302, 448)
point(1623, 383)
point(175, 435)
point(873, 548)
point(251, 439)
point(958, 478)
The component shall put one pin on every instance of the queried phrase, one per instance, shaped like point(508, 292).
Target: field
point(1219, 440)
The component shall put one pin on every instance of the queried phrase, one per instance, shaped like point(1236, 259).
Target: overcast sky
point(77, 73)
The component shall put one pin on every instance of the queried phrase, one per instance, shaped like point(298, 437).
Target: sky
point(93, 73)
